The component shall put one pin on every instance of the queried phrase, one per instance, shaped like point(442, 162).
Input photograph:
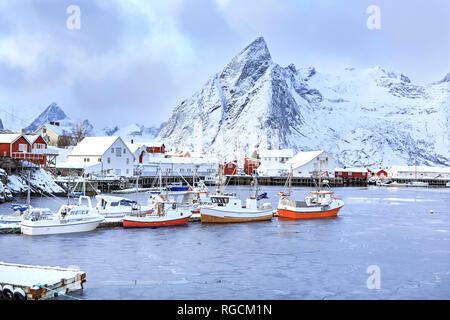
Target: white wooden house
point(307, 164)
point(101, 155)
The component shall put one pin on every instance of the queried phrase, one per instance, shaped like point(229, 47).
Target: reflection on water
point(313, 259)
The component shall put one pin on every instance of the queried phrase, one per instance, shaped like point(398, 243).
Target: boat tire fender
point(19, 294)
point(7, 293)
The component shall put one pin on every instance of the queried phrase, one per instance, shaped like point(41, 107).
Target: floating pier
point(27, 282)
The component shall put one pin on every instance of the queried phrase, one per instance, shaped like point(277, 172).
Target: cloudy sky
point(133, 61)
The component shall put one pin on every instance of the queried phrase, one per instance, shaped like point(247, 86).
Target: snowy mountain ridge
point(364, 117)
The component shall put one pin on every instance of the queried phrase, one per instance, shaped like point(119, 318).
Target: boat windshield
point(39, 214)
point(222, 200)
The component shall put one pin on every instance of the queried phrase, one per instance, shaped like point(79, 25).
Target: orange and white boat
point(322, 203)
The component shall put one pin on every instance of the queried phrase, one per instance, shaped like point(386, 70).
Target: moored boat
point(226, 208)
point(165, 213)
point(68, 219)
point(320, 204)
point(112, 207)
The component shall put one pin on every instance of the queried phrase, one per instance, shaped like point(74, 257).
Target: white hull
point(56, 227)
point(234, 214)
point(10, 219)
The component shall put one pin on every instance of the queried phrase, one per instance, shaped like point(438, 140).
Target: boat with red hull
point(322, 203)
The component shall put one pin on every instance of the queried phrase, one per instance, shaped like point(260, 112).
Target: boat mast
point(415, 167)
point(220, 176)
point(84, 184)
point(290, 181)
point(256, 185)
point(160, 178)
point(28, 191)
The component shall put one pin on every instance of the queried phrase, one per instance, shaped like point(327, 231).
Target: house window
point(127, 171)
point(124, 150)
point(99, 159)
point(44, 130)
point(22, 147)
point(109, 160)
point(112, 150)
point(118, 152)
point(128, 161)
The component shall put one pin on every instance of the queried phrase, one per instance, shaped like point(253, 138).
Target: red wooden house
point(381, 173)
point(230, 168)
point(250, 165)
point(351, 172)
point(18, 146)
point(156, 147)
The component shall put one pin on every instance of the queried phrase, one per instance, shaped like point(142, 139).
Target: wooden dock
point(26, 282)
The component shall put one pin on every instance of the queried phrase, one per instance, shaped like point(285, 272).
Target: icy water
point(316, 259)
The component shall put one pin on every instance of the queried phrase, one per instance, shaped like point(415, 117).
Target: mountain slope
point(363, 117)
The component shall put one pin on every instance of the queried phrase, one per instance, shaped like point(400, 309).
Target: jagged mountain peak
point(365, 116)
point(446, 78)
point(52, 113)
point(249, 64)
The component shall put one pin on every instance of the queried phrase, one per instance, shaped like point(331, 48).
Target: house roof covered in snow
point(56, 129)
point(277, 153)
point(303, 158)
point(351, 170)
point(134, 146)
point(420, 169)
point(93, 146)
point(9, 137)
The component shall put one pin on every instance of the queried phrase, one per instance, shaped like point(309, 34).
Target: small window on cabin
point(114, 204)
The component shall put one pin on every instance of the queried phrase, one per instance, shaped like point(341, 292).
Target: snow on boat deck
point(41, 282)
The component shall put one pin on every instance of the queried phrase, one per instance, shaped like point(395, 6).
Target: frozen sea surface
point(315, 259)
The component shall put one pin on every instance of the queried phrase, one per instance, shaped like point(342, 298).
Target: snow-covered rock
point(364, 117)
point(41, 181)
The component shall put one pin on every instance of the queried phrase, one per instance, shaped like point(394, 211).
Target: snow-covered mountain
point(136, 132)
point(364, 117)
point(52, 113)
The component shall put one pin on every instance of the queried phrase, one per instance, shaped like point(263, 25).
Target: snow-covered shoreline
point(16, 184)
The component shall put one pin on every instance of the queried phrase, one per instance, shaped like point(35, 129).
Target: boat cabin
point(320, 197)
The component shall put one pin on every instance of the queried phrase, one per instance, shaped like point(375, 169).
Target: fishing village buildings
point(112, 156)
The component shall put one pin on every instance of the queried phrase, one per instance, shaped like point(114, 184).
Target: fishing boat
point(112, 207)
point(177, 186)
point(227, 208)
point(417, 184)
point(165, 212)
point(16, 216)
point(397, 184)
point(320, 204)
point(69, 219)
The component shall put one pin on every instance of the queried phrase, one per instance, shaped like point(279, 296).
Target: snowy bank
point(41, 181)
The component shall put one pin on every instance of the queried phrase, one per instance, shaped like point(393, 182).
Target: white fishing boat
point(16, 216)
point(69, 219)
point(225, 208)
point(417, 184)
point(112, 207)
point(165, 212)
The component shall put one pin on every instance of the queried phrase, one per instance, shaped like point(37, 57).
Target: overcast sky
point(133, 61)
